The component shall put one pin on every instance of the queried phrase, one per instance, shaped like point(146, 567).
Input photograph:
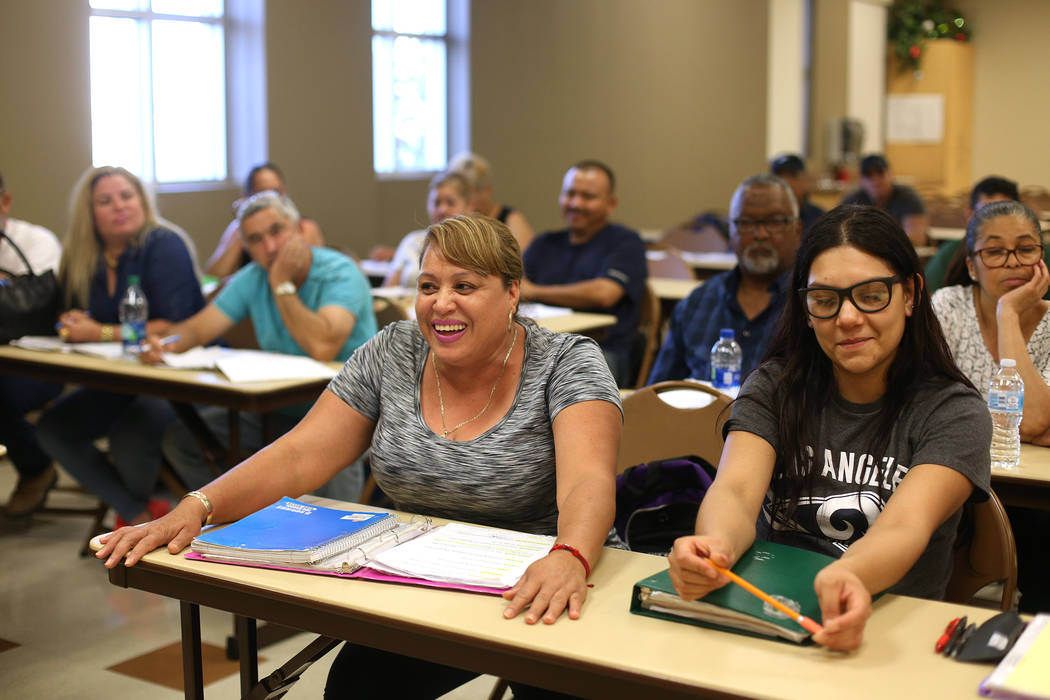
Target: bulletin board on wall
point(929, 117)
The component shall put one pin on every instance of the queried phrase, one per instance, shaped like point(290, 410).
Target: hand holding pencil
point(695, 563)
point(701, 563)
point(845, 606)
point(152, 349)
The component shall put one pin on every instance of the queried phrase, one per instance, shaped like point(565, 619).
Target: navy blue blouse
point(165, 272)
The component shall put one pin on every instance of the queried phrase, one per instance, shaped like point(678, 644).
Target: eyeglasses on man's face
point(997, 257)
point(868, 296)
point(773, 226)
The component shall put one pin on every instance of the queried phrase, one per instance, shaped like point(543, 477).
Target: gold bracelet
point(205, 501)
point(107, 333)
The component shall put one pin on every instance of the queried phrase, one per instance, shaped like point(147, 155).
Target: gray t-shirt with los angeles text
point(945, 423)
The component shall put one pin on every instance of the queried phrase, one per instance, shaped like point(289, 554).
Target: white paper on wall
point(915, 118)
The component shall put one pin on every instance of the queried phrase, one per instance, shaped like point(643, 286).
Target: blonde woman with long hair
point(114, 235)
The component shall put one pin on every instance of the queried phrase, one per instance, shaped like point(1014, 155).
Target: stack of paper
point(465, 555)
point(290, 532)
point(237, 365)
point(259, 366)
point(110, 351)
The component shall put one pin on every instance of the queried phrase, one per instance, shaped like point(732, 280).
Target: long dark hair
point(806, 384)
point(957, 271)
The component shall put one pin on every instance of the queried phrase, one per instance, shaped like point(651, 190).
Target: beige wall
point(45, 138)
point(1011, 99)
point(671, 94)
point(828, 97)
point(45, 124)
point(785, 86)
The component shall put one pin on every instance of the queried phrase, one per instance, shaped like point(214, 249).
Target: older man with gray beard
point(764, 231)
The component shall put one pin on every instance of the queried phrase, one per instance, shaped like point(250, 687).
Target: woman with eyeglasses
point(857, 437)
point(995, 308)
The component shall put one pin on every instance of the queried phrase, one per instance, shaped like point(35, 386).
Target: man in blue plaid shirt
point(764, 231)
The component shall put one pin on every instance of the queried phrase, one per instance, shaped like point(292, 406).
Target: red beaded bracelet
point(576, 553)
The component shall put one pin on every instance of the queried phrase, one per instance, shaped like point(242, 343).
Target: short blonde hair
point(457, 181)
point(473, 167)
point(82, 246)
point(479, 244)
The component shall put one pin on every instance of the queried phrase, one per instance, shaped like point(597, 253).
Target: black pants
point(361, 672)
point(18, 396)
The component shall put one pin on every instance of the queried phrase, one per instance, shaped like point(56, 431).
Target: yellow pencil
point(807, 623)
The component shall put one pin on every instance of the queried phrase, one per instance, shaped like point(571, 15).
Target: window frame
point(245, 128)
point(457, 86)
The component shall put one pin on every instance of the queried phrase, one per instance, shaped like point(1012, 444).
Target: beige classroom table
point(581, 322)
point(1028, 484)
point(709, 264)
point(672, 289)
point(943, 233)
point(607, 653)
point(181, 387)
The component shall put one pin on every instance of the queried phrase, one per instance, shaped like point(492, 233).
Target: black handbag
point(28, 303)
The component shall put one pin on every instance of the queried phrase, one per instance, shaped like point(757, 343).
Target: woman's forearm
point(882, 557)
point(1011, 344)
point(586, 516)
point(727, 515)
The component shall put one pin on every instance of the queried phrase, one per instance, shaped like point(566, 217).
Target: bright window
point(410, 45)
point(158, 88)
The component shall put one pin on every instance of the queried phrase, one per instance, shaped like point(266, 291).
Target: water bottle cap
point(727, 333)
point(1007, 362)
point(133, 279)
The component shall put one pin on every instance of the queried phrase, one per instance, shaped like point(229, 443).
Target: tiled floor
point(63, 626)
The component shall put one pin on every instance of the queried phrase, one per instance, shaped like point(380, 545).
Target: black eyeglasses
point(997, 257)
point(868, 296)
point(773, 227)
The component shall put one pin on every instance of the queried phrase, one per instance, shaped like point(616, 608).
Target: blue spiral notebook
point(292, 532)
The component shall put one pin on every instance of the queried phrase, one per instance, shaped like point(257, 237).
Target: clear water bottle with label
point(133, 312)
point(726, 357)
point(1006, 403)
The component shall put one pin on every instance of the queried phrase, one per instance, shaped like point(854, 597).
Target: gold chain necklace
point(445, 432)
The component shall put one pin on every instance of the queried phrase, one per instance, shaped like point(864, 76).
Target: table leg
point(248, 652)
point(192, 667)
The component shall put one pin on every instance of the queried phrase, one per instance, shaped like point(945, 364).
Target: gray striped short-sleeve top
point(505, 477)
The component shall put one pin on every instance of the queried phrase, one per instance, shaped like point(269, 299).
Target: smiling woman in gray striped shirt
point(472, 413)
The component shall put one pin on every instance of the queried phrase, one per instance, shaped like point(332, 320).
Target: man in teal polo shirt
point(301, 300)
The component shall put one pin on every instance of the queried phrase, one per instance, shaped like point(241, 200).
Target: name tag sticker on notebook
point(358, 517)
point(773, 612)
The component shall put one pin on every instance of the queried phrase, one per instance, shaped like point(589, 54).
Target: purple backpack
point(656, 503)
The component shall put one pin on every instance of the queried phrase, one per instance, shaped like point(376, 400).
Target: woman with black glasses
point(995, 308)
point(857, 437)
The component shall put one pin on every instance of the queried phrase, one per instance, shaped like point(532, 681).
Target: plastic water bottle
point(133, 312)
point(1006, 403)
point(726, 357)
